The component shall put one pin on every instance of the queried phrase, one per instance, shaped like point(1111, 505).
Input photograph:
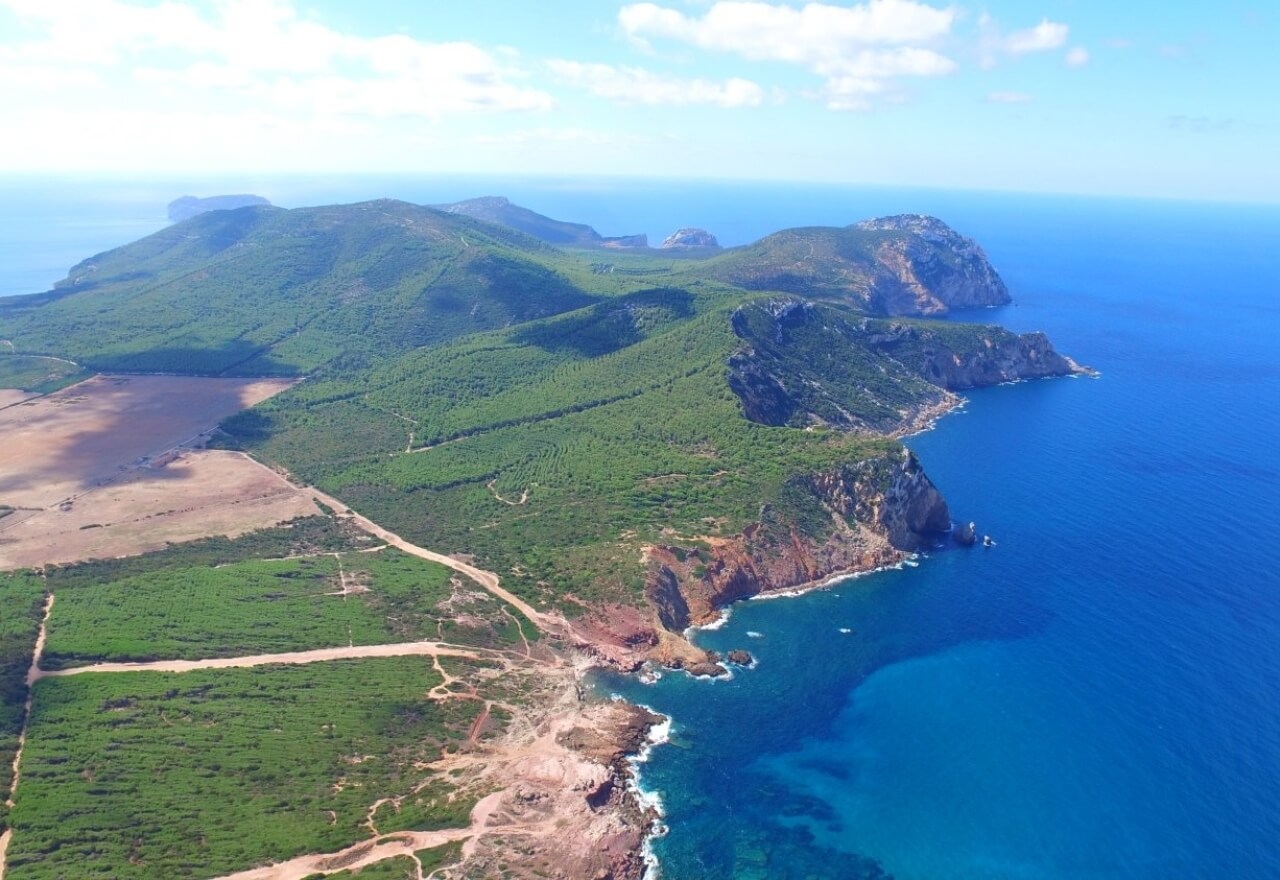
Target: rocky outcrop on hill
point(187, 207)
point(880, 509)
point(805, 363)
point(908, 264)
point(690, 237)
point(930, 269)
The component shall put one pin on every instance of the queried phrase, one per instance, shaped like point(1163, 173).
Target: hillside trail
point(33, 674)
point(380, 848)
point(487, 579)
point(293, 658)
point(385, 846)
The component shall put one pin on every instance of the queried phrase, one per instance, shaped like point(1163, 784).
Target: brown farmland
point(96, 470)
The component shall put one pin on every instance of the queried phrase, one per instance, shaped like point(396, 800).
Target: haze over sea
point(1098, 696)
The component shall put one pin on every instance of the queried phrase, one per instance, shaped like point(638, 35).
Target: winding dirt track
point(486, 579)
point(319, 655)
point(381, 847)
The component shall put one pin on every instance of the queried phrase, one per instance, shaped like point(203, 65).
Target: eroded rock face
point(815, 363)
point(908, 264)
point(931, 270)
point(1001, 357)
point(690, 237)
point(881, 508)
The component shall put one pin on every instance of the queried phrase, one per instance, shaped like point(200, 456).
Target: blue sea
point(1098, 695)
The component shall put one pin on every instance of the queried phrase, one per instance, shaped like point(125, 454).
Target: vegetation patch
point(156, 775)
point(22, 600)
point(40, 375)
point(160, 607)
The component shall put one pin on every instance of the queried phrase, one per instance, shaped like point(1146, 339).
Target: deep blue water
point(1098, 695)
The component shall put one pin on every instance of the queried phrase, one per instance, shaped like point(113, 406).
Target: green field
point(153, 775)
point(22, 599)
point(170, 610)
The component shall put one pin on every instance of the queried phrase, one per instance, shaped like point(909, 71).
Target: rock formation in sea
point(690, 237)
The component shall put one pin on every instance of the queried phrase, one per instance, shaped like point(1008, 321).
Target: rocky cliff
point(876, 511)
point(998, 355)
point(812, 363)
point(929, 268)
point(908, 264)
point(690, 237)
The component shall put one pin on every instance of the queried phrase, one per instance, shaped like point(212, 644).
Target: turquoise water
point(1098, 696)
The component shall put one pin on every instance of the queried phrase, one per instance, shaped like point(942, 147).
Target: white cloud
point(548, 138)
point(856, 49)
point(1009, 98)
point(1077, 56)
point(264, 51)
point(813, 34)
point(1044, 36)
point(994, 43)
point(637, 86)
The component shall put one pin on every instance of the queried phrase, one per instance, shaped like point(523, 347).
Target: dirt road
point(486, 579)
point(319, 655)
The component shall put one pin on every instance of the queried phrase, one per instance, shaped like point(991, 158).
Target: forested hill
point(265, 291)
point(268, 291)
point(560, 415)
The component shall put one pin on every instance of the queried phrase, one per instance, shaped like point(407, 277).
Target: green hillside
point(264, 291)
point(551, 412)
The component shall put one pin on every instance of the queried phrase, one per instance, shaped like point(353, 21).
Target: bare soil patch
point(199, 494)
point(61, 445)
point(10, 396)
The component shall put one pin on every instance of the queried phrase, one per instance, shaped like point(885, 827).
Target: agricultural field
point(198, 493)
point(92, 471)
point(162, 608)
point(59, 446)
point(157, 775)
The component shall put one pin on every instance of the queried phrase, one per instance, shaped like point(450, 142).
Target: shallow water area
point(1094, 696)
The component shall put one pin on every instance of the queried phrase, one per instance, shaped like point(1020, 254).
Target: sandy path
point(486, 579)
point(33, 674)
point(320, 655)
point(386, 846)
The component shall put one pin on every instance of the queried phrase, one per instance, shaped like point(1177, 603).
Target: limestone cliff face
point(880, 508)
point(904, 265)
point(816, 363)
point(1000, 357)
point(931, 269)
point(690, 237)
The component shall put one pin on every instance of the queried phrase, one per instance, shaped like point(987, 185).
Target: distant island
point(186, 207)
point(509, 448)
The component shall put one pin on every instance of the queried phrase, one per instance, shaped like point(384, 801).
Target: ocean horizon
point(1097, 695)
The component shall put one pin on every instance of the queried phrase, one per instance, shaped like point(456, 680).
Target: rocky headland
point(186, 207)
point(690, 237)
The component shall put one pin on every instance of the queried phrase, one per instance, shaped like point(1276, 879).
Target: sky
point(1168, 99)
